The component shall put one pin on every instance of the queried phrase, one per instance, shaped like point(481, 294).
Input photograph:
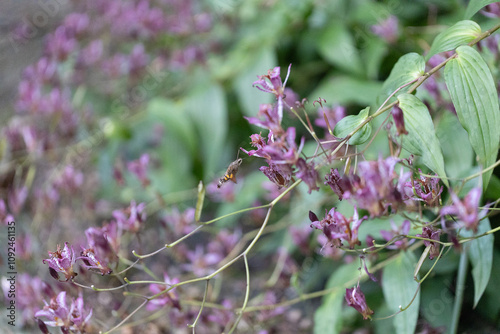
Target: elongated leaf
point(421, 139)
point(475, 98)
point(474, 6)
point(350, 123)
point(458, 34)
point(408, 68)
point(328, 317)
point(480, 252)
point(399, 288)
point(337, 46)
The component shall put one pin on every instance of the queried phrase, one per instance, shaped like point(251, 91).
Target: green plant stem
point(459, 292)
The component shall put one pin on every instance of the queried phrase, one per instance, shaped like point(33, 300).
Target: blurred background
point(109, 104)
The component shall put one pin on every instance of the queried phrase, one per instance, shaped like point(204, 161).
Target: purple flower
point(76, 23)
point(271, 121)
point(91, 262)
point(387, 29)
point(333, 180)
point(69, 181)
point(139, 168)
point(467, 210)
point(338, 228)
point(131, 219)
point(274, 85)
point(333, 116)
point(308, 174)
point(277, 175)
point(397, 115)
point(138, 59)
point(60, 44)
point(179, 223)
point(374, 187)
point(99, 242)
point(91, 54)
point(429, 232)
point(398, 231)
point(5, 216)
point(169, 297)
point(424, 189)
point(72, 318)
point(355, 298)
point(62, 261)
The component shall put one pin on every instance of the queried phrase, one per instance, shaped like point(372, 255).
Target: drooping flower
point(355, 298)
point(62, 261)
point(466, 211)
point(429, 232)
point(92, 262)
point(398, 117)
point(334, 181)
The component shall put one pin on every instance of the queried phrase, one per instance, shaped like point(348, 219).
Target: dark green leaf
point(475, 98)
point(399, 288)
point(421, 139)
point(350, 123)
point(458, 34)
point(480, 253)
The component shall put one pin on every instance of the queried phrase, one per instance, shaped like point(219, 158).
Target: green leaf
point(408, 68)
point(345, 90)
point(421, 139)
point(458, 34)
point(337, 46)
point(350, 123)
point(474, 6)
point(457, 151)
point(328, 317)
point(207, 107)
point(480, 252)
point(250, 97)
point(399, 288)
point(475, 98)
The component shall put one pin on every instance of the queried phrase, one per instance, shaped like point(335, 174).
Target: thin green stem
point(459, 292)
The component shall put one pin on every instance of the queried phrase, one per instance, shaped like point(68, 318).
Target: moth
point(230, 172)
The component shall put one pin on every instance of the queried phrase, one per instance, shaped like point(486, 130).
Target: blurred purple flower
point(139, 168)
point(132, 218)
point(60, 44)
point(333, 115)
point(62, 261)
point(69, 181)
point(5, 216)
point(467, 211)
point(72, 318)
point(387, 29)
point(91, 54)
point(99, 242)
point(179, 223)
point(17, 198)
point(76, 24)
point(169, 297)
point(300, 237)
point(356, 299)
point(308, 174)
point(138, 59)
point(201, 262)
point(271, 121)
point(43, 71)
point(491, 10)
point(398, 231)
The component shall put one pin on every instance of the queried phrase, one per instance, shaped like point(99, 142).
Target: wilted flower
point(61, 261)
point(308, 174)
point(397, 115)
point(91, 261)
point(334, 181)
point(429, 232)
point(424, 189)
point(356, 299)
